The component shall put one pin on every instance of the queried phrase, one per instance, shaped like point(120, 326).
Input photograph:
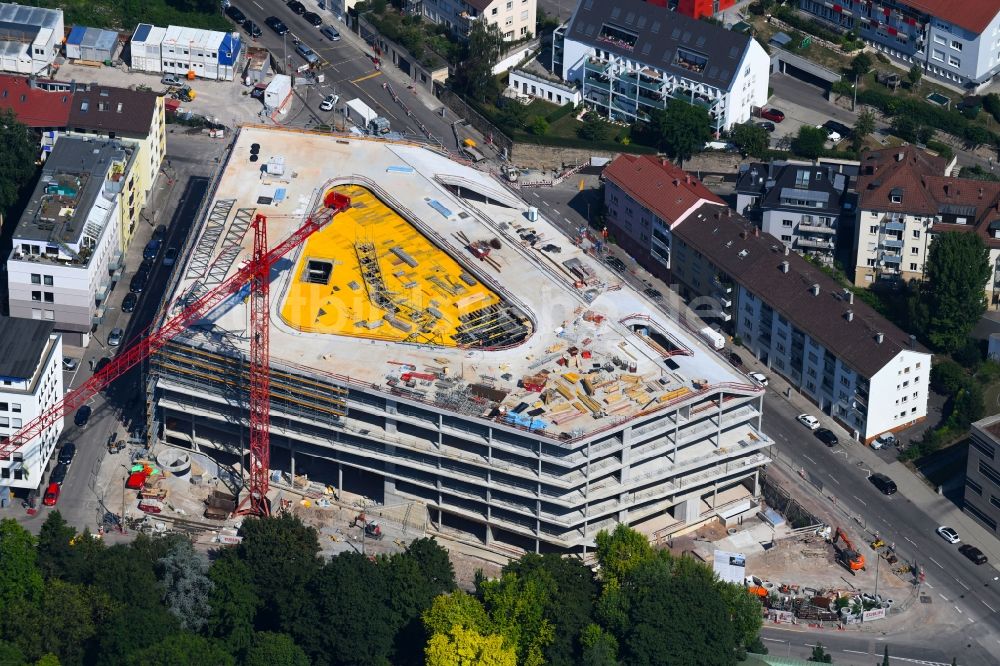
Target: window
point(916, 233)
point(15, 423)
point(49, 297)
point(986, 520)
point(954, 62)
point(786, 239)
point(36, 278)
point(36, 295)
point(47, 280)
point(914, 250)
point(786, 223)
point(896, 198)
point(913, 267)
point(509, 20)
point(15, 407)
point(494, 12)
point(973, 486)
point(957, 45)
point(986, 448)
point(989, 472)
point(524, 15)
point(938, 39)
point(871, 262)
point(510, 4)
point(936, 53)
point(873, 229)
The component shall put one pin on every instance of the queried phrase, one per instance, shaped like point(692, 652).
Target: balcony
point(817, 229)
point(892, 243)
point(595, 65)
point(814, 243)
point(894, 225)
point(892, 259)
point(593, 82)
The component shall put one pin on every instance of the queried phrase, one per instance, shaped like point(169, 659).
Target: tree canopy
point(681, 129)
point(809, 142)
point(750, 139)
point(474, 74)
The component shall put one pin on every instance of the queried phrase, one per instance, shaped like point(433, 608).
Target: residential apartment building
point(30, 37)
point(516, 19)
point(955, 41)
point(31, 381)
point(797, 202)
point(857, 367)
point(982, 473)
point(631, 57)
point(67, 248)
point(644, 198)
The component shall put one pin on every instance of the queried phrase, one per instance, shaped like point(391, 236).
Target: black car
point(653, 293)
point(160, 232)
point(58, 474)
point(312, 18)
point(234, 13)
point(275, 23)
point(615, 263)
point(129, 302)
point(297, 7)
point(826, 436)
point(840, 128)
point(138, 282)
point(100, 364)
point(82, 416)
point(766, 125)
point(735, 359)
point(973, 553)
point(885, 485)
point(66, 453)
point(252, 29)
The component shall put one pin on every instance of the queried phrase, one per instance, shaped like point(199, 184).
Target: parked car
point(138, 282)
point(885, 485)
point(101, 363)
point(773, 114)
point(808, 420)
point(69, 364)
point(252, 29)
point(170, 256)
point(160, 231)
point(115, 337)
point(330, 33)
point(329, 102)
point(129, 302)
point(276, 24)
point(826, 436)
point(831, 135)
point(51, 495)
point(82, 416)
point(767, 126)
point(170, 80)
point(884, 440)
point(836, 127)
point(152, 249)
point(307, 54)
point(233, 12)
point(655, 294)
point(66, 453)
point(973, 553)
point(948, 534)
point(297, 7)
point(735, 359)
point(313, 19)
point(758, 377)
point(615, 263)
point(58, 474)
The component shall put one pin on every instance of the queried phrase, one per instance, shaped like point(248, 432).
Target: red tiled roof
point(974, 15)
point(664, 188)
point(883, 171)
point(34, 107)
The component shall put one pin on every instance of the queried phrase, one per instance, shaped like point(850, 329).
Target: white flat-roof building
point(209, 54)
point(31, 382)
point(527, 400)
point(30, 37)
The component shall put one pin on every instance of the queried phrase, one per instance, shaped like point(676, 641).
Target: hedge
point(572, 142)
point(924, 113)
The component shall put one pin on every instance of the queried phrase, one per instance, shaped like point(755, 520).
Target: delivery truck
point(365, 117)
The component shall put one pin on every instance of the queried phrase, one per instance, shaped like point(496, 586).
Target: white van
point(884, 440)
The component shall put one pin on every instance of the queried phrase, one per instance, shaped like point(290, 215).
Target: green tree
point(474, 74)
point(282, 553)
point(116, 643)
point(456, 609)
point(434, 563)
point(751, 139)
point(745, 612)
point(11, 655)
point(539, 126)
point(620, 552)
point(861, 65)
point(54, 551)
point(460, 646)
point(863, 128)
point(915, 74)
point(183, 649)
point(20, 579)
point(415, 578)
point(48, 660)
point(952, 297)
point(598, 647)
point(991, 104)
point(233, 602)
point(819, 655)
point(271, 649)
point(187, 586)
point(19, 149)
point(63, 622)
point(593, 128)
point(516, 605)
point(681, 129)
point(947, 376)
point(810, 142)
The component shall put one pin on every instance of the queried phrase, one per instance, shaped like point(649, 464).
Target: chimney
point(850, 315)
point(786, 248)
point(743, 234)
point(850, 297)
point(687, 179)
point(676, 182)
point(879, 337)
point(815, 289)
point(900, 156)
point(756, 232)
point(784, 267)
point(913, 341)
point(980, 193)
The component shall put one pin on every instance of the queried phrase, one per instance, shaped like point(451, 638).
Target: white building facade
point(528, 85)
point(31, 382)
point(208, 54)
point(515, 18)
point(30, 39)
point(631, 57)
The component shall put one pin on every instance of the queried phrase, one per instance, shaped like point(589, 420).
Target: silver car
point(115, 337)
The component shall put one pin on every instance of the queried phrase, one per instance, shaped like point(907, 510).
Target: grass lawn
point(991, 399)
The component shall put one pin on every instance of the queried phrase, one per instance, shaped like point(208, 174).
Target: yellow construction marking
point(581, 184)
point(367, 76)
point(341, 306)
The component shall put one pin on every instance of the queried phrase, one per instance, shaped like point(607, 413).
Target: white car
point(758, 377)
point(69, 364)
point(329, 102)
point(831, 134)
point(808, 420)
point(884, 440)
point(948, 534)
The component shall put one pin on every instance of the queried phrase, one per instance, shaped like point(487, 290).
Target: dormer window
point(896, 195)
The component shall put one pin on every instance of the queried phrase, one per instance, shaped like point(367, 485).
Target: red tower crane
point(257, 273)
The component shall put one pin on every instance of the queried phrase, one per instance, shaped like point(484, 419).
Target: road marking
point(568, 221)
point(834, 479)
point(943, 597)
point(860, 500)
point(971, 620)
point(957, 608)
point(929, 585)
point(935, 562)
point(809, 459)
point(536, 195)
point(778, 640)
point(367, 76)
point(910, 540)
point(855, 651)
point(992, 610)
point(258, 6)
point(962, 584)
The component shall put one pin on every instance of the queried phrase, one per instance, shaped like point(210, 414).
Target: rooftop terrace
point(449, 241)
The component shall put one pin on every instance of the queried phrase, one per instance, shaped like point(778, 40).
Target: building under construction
point(441, 345)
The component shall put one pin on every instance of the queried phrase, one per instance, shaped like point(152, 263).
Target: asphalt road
point(348, 70)
point(854, 649)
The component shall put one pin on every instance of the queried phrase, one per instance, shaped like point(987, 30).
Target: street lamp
point(855, 102)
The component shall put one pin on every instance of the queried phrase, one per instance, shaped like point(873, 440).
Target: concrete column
point(677, 433)
point(718, 424)
point(291, 455)
point(340, 477)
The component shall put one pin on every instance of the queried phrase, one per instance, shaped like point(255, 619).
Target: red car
point(51, 495)
point(772, 114)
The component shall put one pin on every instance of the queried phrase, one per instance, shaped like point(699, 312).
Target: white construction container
point(278, 91)
point(146, 43)
point(360, 113)
point(713, 337)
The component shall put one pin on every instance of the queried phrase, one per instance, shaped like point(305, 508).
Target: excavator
point(848, 555)
point(372, 529)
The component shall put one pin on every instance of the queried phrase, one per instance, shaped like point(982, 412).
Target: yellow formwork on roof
point(424, 289)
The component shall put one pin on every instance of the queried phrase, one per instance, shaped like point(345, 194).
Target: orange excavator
point(848, 555)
